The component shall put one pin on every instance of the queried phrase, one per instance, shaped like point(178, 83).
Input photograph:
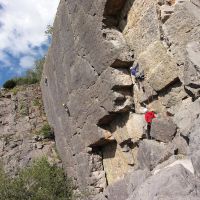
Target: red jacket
point(149, 116)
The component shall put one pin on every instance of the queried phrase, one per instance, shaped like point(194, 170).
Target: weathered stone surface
point(128, 127)
point(191, 73)
point(143, 92)
point(21, 116)
point(141, 31)
point(194, 139)
point(166, 12)
point(115, 162)
point(160, 71)
point(157, 107)
point(181, 144)
point(124, 187)
point(196, 2)
point(84, 71)
point(151, 153)
point(185, 44)
point(175, 160)
point(163, 129)
point(173, 95)
point(186, 115)
point(172, 183)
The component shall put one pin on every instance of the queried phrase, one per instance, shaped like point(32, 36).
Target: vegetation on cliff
point(39, 181)
point(31, 76)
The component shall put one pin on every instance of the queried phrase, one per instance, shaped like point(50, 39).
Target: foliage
point(37, 102)
point(49, 30)
point(9, 84)
point(37, 182)
point(23, 109)
point(15, 90)
point(31, 76)
point(47, 132)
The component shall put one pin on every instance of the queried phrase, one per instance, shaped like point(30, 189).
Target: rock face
point(97, 108)
point(173, 183)
point(151, 153)
point(21, 117)
point(163, 130)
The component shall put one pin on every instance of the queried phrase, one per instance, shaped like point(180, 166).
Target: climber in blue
point(139, 75)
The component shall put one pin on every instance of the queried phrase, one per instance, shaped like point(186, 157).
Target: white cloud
point(4, 59)
point(27, 61)
point(24, 23)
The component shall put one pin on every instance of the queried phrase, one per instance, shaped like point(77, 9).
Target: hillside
point(22, 122)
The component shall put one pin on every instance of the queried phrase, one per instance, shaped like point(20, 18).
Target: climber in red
point(149, 116)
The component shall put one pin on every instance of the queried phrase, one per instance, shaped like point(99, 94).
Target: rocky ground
point(97, 108)
point(21, 120)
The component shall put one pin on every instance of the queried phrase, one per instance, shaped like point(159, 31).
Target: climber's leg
point(148, 131)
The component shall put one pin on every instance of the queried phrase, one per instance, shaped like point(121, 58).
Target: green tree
point(31, 76)
point(39, 64)
point(9, 84)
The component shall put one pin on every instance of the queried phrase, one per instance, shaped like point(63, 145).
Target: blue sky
point(22, 37)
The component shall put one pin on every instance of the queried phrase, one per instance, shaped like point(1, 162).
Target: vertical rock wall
point(88, 84)
point(96, 107)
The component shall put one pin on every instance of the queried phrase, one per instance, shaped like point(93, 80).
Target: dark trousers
point(148, 131)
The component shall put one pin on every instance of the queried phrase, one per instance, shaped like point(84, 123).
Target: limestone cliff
point(97, 108)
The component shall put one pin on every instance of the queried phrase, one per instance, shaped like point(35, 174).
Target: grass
point(37, 102)
point(23, 109)
point(15, 90)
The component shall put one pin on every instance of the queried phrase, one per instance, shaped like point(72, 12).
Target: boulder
point(151, 153)
point(161, 71)
point(128, 127)
point(181, 144)
point(173, 96)
point(175, 160)
point(163, 129)
point(191, 76)
point(194, 141)
point(186, 114)
point(195, 157)
point(123, 188)
point(169, 184)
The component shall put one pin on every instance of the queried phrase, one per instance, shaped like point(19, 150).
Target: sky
point(22, 37)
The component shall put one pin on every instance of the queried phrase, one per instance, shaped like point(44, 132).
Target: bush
point(49, 30)
point(37, 182)
point(47, 132)
point(9, 84)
